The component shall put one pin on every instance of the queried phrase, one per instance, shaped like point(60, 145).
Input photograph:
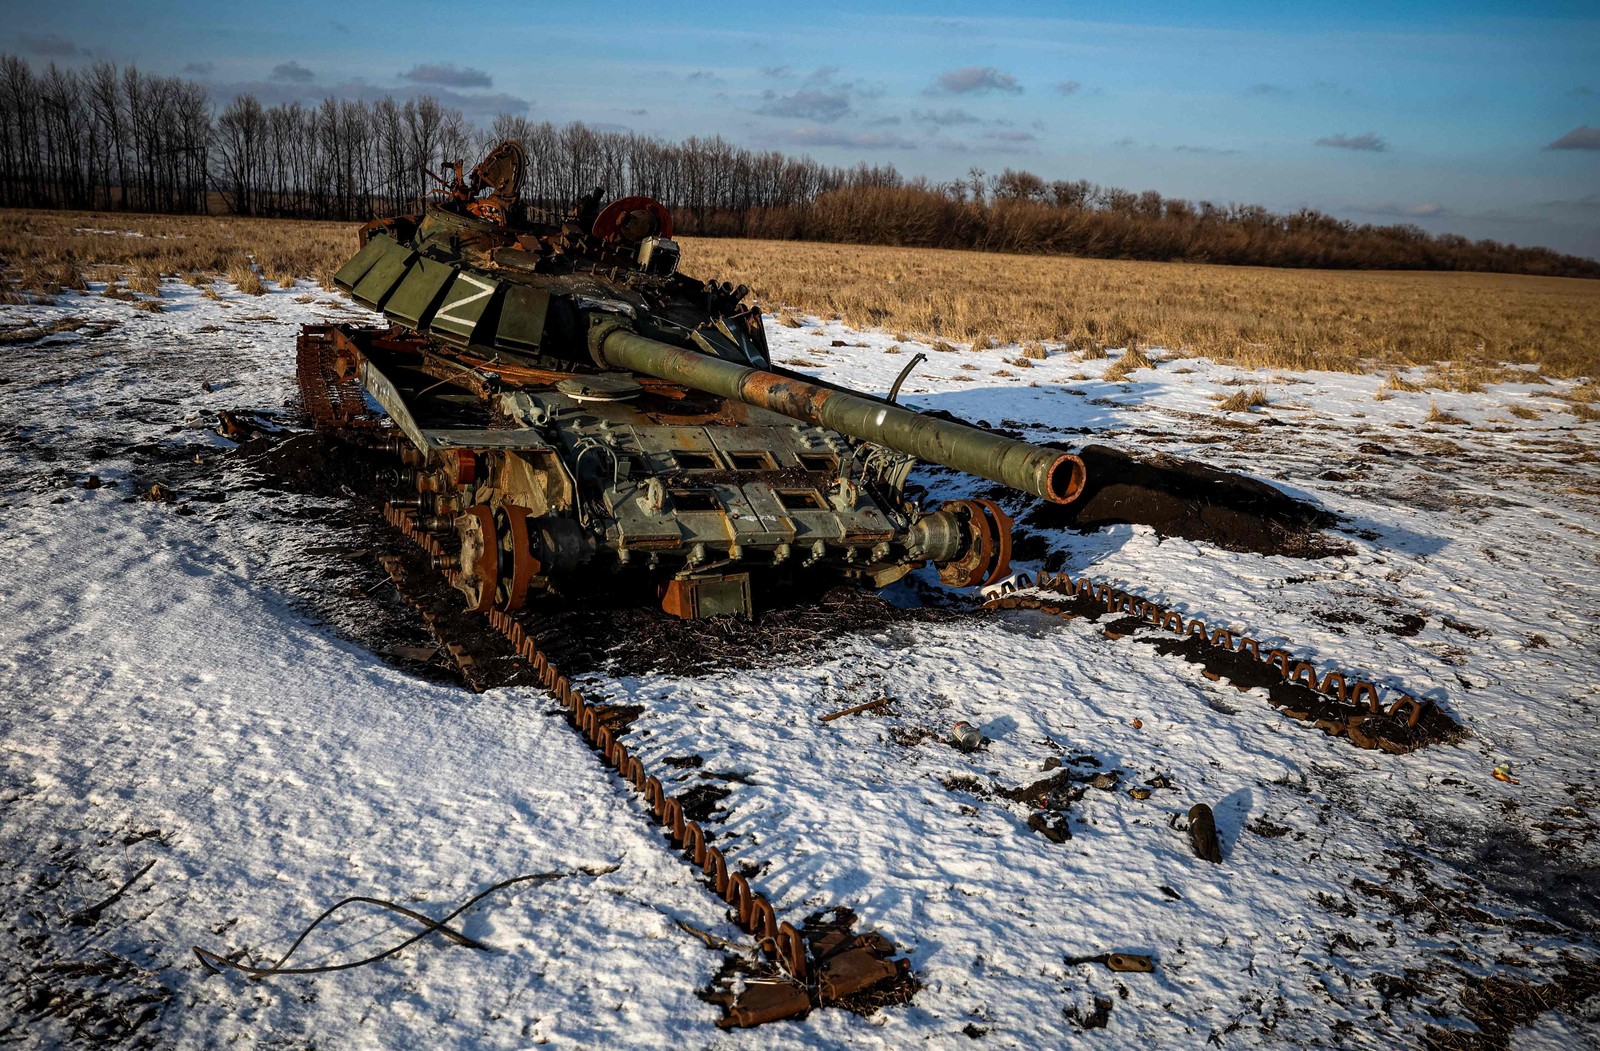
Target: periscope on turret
point(573, 411)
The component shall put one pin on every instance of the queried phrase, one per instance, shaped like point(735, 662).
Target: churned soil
point(1178, 497)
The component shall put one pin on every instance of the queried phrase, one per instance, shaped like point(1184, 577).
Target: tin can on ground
point(966, 737)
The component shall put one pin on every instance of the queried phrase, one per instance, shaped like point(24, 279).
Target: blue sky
point(1442, 114)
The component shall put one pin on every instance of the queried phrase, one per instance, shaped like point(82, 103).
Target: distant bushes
point(1107, 226)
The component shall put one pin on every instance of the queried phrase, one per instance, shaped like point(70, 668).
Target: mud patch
point(632, 640)
point(83, 975)
point(1183, 498)
point(702, 801)
point(313, 464)
point(1500, 1005)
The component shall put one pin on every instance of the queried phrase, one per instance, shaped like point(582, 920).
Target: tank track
point(1337, 703)
point(331, 398)
point(805, 971)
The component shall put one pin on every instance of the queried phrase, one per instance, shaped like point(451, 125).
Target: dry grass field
point(1355, 321)
point(1462, 326)
point(42, 250)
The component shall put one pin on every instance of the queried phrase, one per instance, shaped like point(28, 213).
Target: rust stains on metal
point(988, 556)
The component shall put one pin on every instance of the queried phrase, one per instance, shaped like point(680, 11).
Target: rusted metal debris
point(1340, 705)
point(328, 391)
point(766, 1000)
point(1203, 834)
point(1121, 962)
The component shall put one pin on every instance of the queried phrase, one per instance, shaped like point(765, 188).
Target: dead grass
point(1243, 400)
point(1522, 412)
point(144, 280)
point(1132, 358)
point(1468, 379)
point(1396, 382)
point(38, 277)
point(1438, 415)
point(1354, 321)
point(245, 279)
point(63, 248)
point(1035, 350)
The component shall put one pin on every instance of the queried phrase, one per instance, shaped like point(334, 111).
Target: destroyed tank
point(573, 414)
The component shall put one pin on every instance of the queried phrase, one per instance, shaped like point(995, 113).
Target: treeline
point(1108, 223)
point(102, 138)
point(106, 138)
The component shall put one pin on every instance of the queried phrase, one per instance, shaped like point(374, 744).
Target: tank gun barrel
point(1050, 474)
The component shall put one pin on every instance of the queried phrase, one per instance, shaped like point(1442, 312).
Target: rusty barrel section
point(1046, 473)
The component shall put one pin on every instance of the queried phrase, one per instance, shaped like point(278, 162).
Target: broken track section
point(803, 969)
point(1338, 704)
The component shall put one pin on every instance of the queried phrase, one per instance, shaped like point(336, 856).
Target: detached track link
point(1338, 704)
point(333, 403)
point(838, 971)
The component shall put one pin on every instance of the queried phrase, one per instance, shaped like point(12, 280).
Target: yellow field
point(1333, 319)
point(1465, 325)
point(39, 248)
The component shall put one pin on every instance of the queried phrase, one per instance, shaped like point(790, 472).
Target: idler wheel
point(988, 555)
point(515, 552)
point(480, 557)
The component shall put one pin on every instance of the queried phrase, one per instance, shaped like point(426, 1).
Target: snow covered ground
point(169, 695)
